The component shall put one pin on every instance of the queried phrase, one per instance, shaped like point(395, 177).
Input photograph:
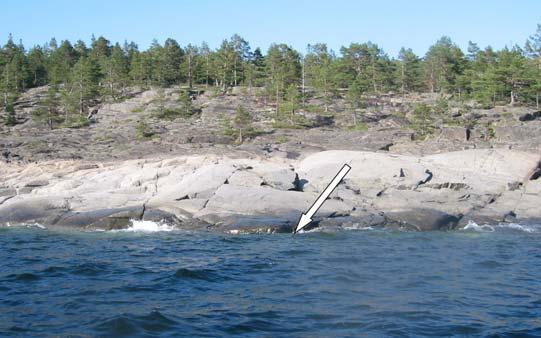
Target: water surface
point(476, 282)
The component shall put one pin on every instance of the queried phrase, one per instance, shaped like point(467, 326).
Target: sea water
point(153, 280)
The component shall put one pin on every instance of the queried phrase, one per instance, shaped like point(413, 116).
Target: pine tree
point(10, 118)
point(409, 71)
point(283, 70)
point(354, 97)
point(171, 61)
point(512, 73)
point(190, 64)
point(60, 63)
point(226, 58)
point(48, 109)
point(242, 122)
point(533, 48)
point(14, 72)
point(140, 72)
point(185, 101)
point(206, 54)
point(319, 71)
point(116, 72)
point(85, 82)
point(292, 101)
point(37, 67)
point(444, 62)
point(242, 52)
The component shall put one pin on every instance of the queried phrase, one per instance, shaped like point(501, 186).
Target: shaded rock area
point(255, 194)
point(386, 124)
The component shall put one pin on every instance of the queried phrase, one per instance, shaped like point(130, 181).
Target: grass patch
point(360, 126)
point(76, 122)
point(281, 139)
point(138, 109)
point(143, 131)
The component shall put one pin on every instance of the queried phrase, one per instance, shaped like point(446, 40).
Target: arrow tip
point(303, 221)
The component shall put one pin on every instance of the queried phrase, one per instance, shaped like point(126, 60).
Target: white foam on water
point(519, 227)
point(34, 225)
point(502, 226)
point(353, 227)
point(476, 227)
point(146, 226)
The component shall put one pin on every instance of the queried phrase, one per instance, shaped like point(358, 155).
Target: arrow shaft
point(328, 190)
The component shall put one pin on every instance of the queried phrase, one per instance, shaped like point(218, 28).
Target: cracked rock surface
point(236, 193)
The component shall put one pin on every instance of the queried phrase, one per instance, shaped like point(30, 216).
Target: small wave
point(129, 325)
point(89, 269)
point(202, 274)
point(26, 276)
point(519, 227)
point(146, 226)
point(502, 226)
point(26, 225)
point(476, 227)
point(362, 228)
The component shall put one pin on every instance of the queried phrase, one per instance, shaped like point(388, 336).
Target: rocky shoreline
point(243, 193)
point(188, 172)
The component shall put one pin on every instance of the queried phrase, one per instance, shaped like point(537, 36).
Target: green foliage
point(354, 95)
point(489, 132)
point(281, 139)
point(239, 126)
point(369, 65)
point(442, 106)
point(296, 121)
point(444, 62)
point(77, 121)
point(320, 72)
point(139, 109)
point(85, 75)
point(284, 69)
point(48, 110)
point(291, 101)
point(142, 130)
point(183, 109)
point(242, 122)
point(225, 122)
point(359, 126)
point(422, 119)
point(10, 119)
point(185, 101)
point(409, 71)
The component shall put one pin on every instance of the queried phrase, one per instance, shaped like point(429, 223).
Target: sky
point(390, 24)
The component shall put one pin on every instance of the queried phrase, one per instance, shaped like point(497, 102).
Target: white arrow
point(306, 218)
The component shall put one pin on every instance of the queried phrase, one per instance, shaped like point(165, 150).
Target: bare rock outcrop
point(255, 194)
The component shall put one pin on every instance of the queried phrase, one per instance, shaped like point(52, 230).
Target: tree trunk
point(277, 99)
point(190, 70)
point(235, 73)
point(374, 77)
point(403, 87)
point(432, 79)
point(303, 83)
point(207, 72)
point(537, 100)
point(512, 98)
point(325, 95)
point(81, 100)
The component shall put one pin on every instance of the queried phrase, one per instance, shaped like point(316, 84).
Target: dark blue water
point(350, 283)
